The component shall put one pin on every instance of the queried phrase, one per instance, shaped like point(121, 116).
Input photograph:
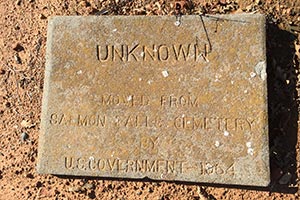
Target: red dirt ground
point(23, 27)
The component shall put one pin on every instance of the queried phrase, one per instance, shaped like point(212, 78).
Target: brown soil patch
point(23, 30)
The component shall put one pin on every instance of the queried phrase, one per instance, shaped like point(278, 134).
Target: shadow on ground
point(283, 108)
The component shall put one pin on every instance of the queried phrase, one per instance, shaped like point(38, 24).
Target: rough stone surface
point(141, 96)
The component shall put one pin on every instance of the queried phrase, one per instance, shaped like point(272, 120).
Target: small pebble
point(27, 124)
point(18, 2)
point(88, 186)
point(24, 137)
point(258, 2)
point(75, 189)
point(17, 59)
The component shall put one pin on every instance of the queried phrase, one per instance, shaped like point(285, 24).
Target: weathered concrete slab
point(141, 97)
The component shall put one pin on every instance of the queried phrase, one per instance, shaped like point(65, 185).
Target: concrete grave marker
point(140, 96)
